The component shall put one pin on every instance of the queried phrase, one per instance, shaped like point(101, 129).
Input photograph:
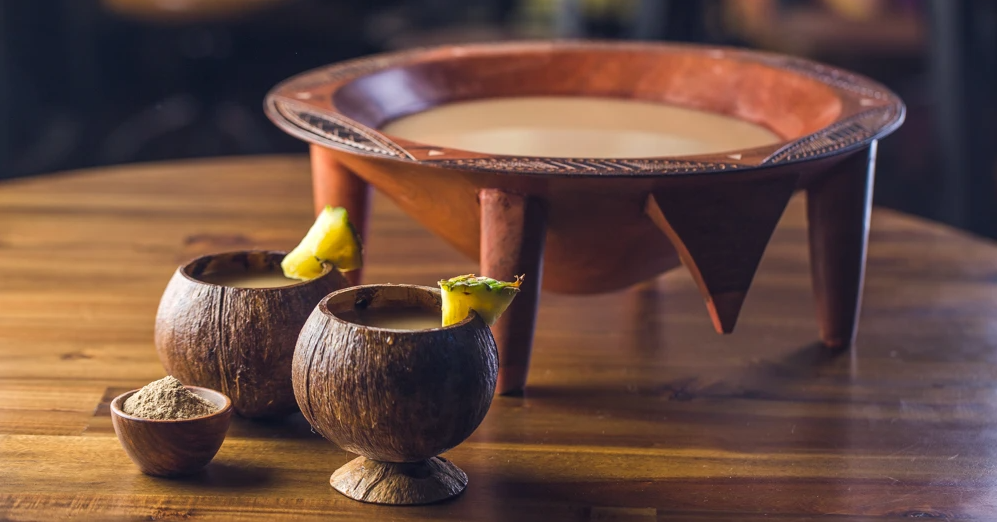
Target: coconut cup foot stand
point(596, 224)
point(398, 398)
point(422, 482)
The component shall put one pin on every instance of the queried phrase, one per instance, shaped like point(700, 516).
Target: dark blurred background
point(98, 82)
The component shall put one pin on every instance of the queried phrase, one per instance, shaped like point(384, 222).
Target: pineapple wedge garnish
point(486, 296)
point(332, 239)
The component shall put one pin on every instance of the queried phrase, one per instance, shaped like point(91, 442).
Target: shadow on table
point(745, 499)
point(799, 435)
point(223, 475)
point(800, 402)
point(293, 426)
point(761, 379)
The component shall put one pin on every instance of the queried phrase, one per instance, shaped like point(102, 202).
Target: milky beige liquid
point(395, 318)
point(249, 279)
point(579, 127)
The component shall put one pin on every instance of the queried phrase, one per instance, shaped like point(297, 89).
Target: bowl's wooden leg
point(333, 184)
point(513, 232)
point(838, 210)
point(720, 230)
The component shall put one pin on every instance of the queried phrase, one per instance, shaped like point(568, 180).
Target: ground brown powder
point(167, 399)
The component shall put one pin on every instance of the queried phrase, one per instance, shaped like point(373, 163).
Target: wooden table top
point(635, 408)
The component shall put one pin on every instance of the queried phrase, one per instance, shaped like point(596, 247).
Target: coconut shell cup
point(237, 340)
point(398, 398)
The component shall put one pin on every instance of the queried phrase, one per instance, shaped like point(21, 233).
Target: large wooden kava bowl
point(237, 340)
point(589, 225)
point(399, 398)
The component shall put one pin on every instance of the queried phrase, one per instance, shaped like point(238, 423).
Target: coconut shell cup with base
point(398, 398)
point(239, 341)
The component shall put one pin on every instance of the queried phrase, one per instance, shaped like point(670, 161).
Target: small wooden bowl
point(237, 340)
point(172, 448)
point(399, 398)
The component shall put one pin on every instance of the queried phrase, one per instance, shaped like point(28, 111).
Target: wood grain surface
point(636, 409)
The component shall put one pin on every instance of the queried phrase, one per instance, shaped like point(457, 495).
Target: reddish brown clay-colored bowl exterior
point(592, 225)
point(237, 340)
point(172, 448)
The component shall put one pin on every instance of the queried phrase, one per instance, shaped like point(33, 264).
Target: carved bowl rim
point(303, 107)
